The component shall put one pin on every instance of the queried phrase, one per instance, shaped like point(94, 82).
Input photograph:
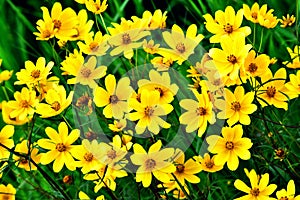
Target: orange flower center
point(67, 179)
point(35, 73)
point(24, 104)
point(23, 161)
point(236, 106)
point(252, 68)
point(254, 192)
point(271, 91)
point(231, 58)
point(201, 111)
point(85, 72)
point(46, 34)
point(149, 111)
point(254, 15)
point(150, 164)
point(126, 38)
point(55, 105)
point(61, 147)
point(113, 99)
point(161, 92)
point(6, 197)
point(280, 153)
point(138, 97)
point(284, 198)
point(94, 46)
point(229, 145)
point(228, 28)
point(209, 164)
point(111, 154)
point(180, 47)
point(88, 157)
point(180, 168)
point(57, 23)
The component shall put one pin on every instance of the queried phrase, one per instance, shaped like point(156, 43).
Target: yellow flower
point(60, 147)
point(2, 168)
point(254, 13)
point(125, 37)
point(207, 163)
point(6, 133)
point(256, 66)
point(161, 63)
point(273, 61)
point(114, 98)
point(226, 25)
point(80, 1)
point(237, 106)
point(259, 186)
point(148, 112)
point(83, 196)
point(150, 47)
point(24, 104)
point(272, 89)
point(7, 192)
point(5, 75)
point(157, 20)
point(33, 74)
point(198, 113)
point(56, 102)
point(45, 27)
point(182, 46)
point(26, 163)
point(295, 58)
point(83, 27)
point(230, 59)
point(154, 162)
point(230, 147)
point(118, 125)
point(96, 6)
point(89, 72)
point(268, 20)
point(287, 21)
point(293, 86)
point(6, 110)
point(94, 46)
point(288, 194)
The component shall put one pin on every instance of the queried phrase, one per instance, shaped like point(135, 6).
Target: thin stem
point(261, 38)
point(5, 93)
point(104, 25)
point(291, 167)
point(254, 34)
point(66, 121)
point(97, 23)
point(182, 188)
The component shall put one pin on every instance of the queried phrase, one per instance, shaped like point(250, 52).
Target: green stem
point(97, 23)
point(66, 122)
point(261, 38)
point(182, 187)
point(104, 25)
point(291, 167)
point(254, 34)
point(5, 93)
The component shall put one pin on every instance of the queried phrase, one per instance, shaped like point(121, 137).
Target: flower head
point(7, 192)
point(5, 139)
point(287, 21)
point(256, 65)
point(94, 44)
point(288, 194)
point(96, 6)
point(207, 163)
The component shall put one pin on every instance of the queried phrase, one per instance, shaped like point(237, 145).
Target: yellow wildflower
point(94, 44)
point(96, 6)
point(5, 139)
point(7, 192)
point(207, 163)
point(287, 21)
point(288, 194)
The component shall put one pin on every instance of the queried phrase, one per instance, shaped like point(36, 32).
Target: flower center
point(161, 92)
point(88, 157)
point(85, 72)
point(61, 147)
point(126, 38)
point(271, 91)
point(55, 105)
point(150, 164)
point(111, 154)
point(231, 58)
point(284, 198)
point(24, 104)
point(138, 97)
point(35, 73)
point(113, 99)
point(180, 168)
point(229, 145)
point(254, 192)
point(94, 46)
point(6, 197)
point(57, 23)
point(180, 47)
point(46, 34)
point(23, 161)
point(149, 111)
point(90, 135)
point(209, 164)
point(254, 15)
point(228, 28)
point(201, 111)
point(252, 68)
point(236, 106)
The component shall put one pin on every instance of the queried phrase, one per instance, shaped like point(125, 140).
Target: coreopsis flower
point(230, 147)
point(161, 63)
point(150, 47)
point(7, 192)
point(280, 153)
point(94, 44)
point(33, 74)
point(71, 65)
point(26, 163)
point(268, 20)
point(154, 162)
point(89, 72)
point(45, 85)
point(175, 188)
point(83, 27)
point(5, 75)
point(287, 21)
point(254, 13)
point(295, 58)
point(237, 106)
point(157, 20)
point(45, 27)
point(230, 59)
point(126, 36)
point(5, 139)
point(83, 196)
point(114, 98)
point(256, 66)
point(118, 125)
point(160, 83)
point(207, 163)
point(96, 6)
point(59, 146)
point(181, 45)
point(271, 92)
point(226, 25)
point(259, 186)
point(24, 104)
point(288, 194)
point(293, 86)
point(148, 112)
point(6, 110)
point(56, 102)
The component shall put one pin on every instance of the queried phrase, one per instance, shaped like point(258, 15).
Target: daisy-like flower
point(7, 192)
point(226, 25)
point(96, 6)
point(254, 13)
point(33, 74)
point(198, 113)
point(259, 186)
point(161, 63)
point(288, 194)
point(5, 75)
point(5, 139)
point(60, 147)
point(94, 44)
point(267, 20)
point(84, 26)
point(6, 110)
point(287, 21)
point(56, 102)
point(237, 106)
point(230, 59)
point(272, 90)
point(295, 58)
point(89, 72)
point(114, 98)
point(157, 20)
point(256, 66)
point(150, 47)
point(23, 162)
point(24, 104)
point(293, 86)
point(126, 36)
point(154, 162)
point(149, 112)
point(160, 83)
point(83, 196)
point(182, 46)
point(118, 125)
point(207, 163)
point(230, 147)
